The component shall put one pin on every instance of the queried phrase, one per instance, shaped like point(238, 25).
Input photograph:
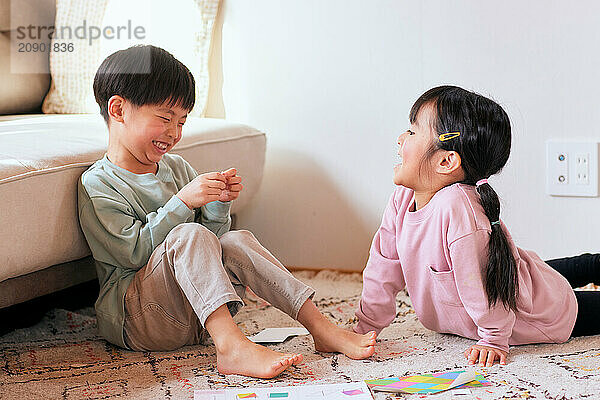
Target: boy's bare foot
point(350, 343)
point(250, 359)
point(330, 338)
point(238, 355)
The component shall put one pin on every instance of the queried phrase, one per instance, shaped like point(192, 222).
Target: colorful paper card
point(429, 383)
point(342, 391)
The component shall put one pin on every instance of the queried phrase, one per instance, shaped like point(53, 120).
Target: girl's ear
point(449, 163)
point(116, 105)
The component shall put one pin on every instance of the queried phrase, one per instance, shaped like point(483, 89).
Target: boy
point(169, 270)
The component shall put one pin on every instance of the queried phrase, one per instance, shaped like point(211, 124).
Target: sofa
point(42, 248)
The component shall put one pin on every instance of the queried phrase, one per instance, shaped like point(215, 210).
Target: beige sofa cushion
point(21, 92)
point(185, 31)
point(15, 13)
point(41, 159)
point(5, 15)
point(24, 76)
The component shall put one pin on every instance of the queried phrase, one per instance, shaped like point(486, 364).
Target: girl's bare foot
point(329, 337)
point(249, 359)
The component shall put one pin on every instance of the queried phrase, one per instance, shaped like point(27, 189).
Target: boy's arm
point(215, 216)
point(495, 324)
point(382, 277)
point(117, 237)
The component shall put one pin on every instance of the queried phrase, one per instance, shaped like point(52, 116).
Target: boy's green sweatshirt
point(125, 216)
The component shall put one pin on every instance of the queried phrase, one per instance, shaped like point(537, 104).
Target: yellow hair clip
point(449, 135)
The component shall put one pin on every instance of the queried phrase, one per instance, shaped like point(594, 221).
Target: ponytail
point(483, 143)
point(499, 275)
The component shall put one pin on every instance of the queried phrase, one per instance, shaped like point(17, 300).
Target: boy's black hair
point(484, 147)
point(144, 74)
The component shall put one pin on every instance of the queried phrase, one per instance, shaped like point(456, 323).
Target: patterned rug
point(63, 358)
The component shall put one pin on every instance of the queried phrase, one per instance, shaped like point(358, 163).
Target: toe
point(369, 352)
point(368, 341)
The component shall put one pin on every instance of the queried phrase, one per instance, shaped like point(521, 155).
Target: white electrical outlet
point(572, 168)
point(582, 162)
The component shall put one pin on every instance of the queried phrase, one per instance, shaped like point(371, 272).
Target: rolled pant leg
point(170, 298)
point(250, 264)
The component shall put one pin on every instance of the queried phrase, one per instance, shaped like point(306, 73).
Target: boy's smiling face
point(140, 136)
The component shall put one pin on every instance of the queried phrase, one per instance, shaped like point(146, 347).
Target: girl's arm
point(494, 325)
point(382, 277)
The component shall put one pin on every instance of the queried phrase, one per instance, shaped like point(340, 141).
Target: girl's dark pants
point(579, 271)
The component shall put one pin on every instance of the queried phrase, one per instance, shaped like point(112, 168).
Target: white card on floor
point(277, 335)
point(462, 394)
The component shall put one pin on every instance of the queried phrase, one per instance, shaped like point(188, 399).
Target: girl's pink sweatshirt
point(437, 253)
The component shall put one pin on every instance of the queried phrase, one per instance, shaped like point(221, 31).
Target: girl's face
point(414, 169)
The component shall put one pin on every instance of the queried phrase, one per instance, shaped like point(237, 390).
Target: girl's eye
point(410, 132)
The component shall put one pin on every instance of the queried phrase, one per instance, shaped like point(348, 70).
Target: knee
point(237, 238)
point(191, 232)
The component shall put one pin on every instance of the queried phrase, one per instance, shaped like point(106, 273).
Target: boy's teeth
point(160, 145)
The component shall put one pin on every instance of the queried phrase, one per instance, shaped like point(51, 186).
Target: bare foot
point(350, 343)
point(331, 338)
point(250, 359)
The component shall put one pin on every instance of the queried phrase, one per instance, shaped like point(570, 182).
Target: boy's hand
point(487, 355)
point(233, 185)
point(212, 186)
point(203, 189)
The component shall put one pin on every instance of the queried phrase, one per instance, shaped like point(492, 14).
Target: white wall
point(331, 83)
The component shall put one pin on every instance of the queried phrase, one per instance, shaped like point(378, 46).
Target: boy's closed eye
point(165, 119)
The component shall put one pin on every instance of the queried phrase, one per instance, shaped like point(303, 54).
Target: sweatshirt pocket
point(444, 287)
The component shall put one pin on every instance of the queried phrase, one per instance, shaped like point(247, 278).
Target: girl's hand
point(487, 355)
point(233, 185)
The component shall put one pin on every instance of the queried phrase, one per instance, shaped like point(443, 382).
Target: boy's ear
point(116, 105)
point(449, 163)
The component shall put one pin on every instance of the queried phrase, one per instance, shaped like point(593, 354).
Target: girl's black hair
point(484, 147)
point(144, 74)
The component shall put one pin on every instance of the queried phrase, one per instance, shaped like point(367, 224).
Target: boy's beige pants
point(191, 274)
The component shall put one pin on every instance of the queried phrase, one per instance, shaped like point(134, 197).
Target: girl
point(441, 237)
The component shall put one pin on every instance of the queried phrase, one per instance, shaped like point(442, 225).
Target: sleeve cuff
point(218, 209)
point(365, 324)
point(177, 207)
point(483, 342)
point(362, 328)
